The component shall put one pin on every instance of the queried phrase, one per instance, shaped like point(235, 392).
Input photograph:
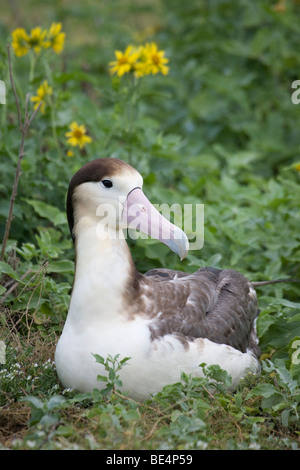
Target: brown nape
point(93, 171)
point(132, 295)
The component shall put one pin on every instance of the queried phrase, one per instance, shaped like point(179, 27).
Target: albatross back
point(219, 305)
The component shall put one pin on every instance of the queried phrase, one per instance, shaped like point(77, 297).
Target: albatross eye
point(107, 183)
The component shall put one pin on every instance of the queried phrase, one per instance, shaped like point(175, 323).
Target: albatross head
point(108, 191)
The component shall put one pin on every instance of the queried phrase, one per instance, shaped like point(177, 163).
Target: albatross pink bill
point(140, 214)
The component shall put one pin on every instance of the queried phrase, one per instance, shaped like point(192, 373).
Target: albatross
point(167, 322)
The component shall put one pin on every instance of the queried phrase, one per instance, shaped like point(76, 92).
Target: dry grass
point(13, 422)
point(27, 348)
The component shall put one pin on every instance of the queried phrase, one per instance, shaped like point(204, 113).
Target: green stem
point(132, 112)
point(32, 66)
point(53, 125)
point(48, 73)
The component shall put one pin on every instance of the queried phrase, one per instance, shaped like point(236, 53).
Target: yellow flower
point(55, 38)
point(144, 60)
point(125, 61)
point(36, 39)
point(20, 42)
point(154, 59)
point(297, 166)
point(42, 92)
point(77, 136)
point(39, 38)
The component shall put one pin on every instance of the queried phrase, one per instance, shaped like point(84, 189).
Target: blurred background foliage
point(220, 130)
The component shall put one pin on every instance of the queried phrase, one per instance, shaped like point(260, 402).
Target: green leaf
point(57, 401)
point(286, 303)
point(2, 290)
point(34, 401)
point(264, 390)
point(61, 266)
point(27, 251)
point(102, 378)
point(285, 417)
point(123, 361)
point(5, 268)
point(47, 211)
point(238, 399)
point(48, 420)
point(99, 358)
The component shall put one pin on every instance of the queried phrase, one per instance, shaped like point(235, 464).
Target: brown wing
point(210, 303)
point(165, 274)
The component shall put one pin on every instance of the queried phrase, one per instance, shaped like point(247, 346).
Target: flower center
point(77, 134)
point(122, 60)
point(155, 59)
point(34, 41)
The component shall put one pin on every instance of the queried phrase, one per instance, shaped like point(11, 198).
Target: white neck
point(103, 269)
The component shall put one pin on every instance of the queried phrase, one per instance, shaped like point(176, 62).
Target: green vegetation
point(217, 128)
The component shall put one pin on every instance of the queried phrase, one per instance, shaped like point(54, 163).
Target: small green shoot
point(112, 365)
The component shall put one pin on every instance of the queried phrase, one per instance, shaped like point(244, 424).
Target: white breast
point(152, 364)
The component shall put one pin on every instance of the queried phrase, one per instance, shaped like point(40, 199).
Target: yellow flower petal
point(20, 42)
point(43, 92)
point(55, 38)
